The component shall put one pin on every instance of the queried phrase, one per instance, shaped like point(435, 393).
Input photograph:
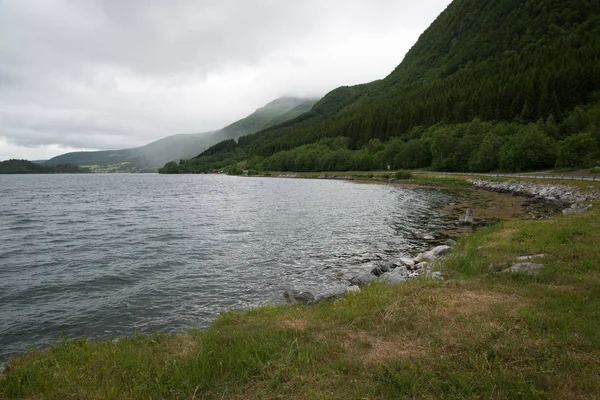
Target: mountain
point(183, 146)
point(503, 64)
point(29, 167)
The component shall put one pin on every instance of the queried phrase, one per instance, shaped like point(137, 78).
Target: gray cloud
point(85, 74)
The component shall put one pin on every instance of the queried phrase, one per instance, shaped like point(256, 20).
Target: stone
point(393, 277)
point(385, 267)
point(433, 254)
point(450, 242)
point(406, 262)
point(352, 289)
point(377, 271)
point(422, 266)
point(526, 268)
point(577, 208)
point(436, 275)
point(529, 258)
point(363, 280)
point(295, 296)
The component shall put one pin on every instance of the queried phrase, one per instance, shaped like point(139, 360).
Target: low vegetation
point(479, 334)
point(28, 167)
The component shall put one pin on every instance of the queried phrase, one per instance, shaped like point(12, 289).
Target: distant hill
point(28, 167)
point(184, 146)
point(503, 84)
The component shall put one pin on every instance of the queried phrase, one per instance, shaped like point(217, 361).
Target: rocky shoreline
point(569, 198)
point(391, 272)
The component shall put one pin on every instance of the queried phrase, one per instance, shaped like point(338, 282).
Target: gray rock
point(406, 262)
point(422, 266)
point(450, 242)
point(363, 280)
point(393, 277)
point(377, 271)
point(436, 275)
point(386, 267)
point(526, 268)
point(295, 296)
point(433, 254)
point(577, 208)
point(529, 258)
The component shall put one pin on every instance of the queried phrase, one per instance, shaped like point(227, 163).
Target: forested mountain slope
point(183, 146)
point(30, 167)
point(505, 63)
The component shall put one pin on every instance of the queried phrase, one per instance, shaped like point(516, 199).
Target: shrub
point(529, 150)
point(400, 175)
point(577, 151)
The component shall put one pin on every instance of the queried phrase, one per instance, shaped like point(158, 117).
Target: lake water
point(107, 255)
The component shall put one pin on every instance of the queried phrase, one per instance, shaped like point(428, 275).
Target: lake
point(107, 255)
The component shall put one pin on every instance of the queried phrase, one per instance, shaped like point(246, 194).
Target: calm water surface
point(107, 255)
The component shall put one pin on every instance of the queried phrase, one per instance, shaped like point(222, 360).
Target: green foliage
point(579, 150)
point(528, 150)
point(402, 175)
point(413, 154)
point(485, 158)
point(27, 167)
point(170, 168)
point(595, 170)
point(233, 169)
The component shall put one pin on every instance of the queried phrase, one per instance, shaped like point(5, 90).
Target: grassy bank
point(479, 334)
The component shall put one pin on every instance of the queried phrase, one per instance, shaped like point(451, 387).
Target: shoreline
point(430, 327)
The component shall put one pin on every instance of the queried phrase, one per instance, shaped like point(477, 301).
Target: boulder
point(407, 262)
point(577, 208)
point(386, 267)
point(296, 296)
point(363, 280)
point(396, 276)
point(526, 268)
point(422, 266)
point(450, 242)
point(433, 254)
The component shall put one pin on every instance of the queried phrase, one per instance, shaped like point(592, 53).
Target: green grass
point(479, 334)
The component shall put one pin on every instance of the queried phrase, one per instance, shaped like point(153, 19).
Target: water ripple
point(107, 255)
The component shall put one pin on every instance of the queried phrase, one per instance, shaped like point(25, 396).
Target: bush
point(401, 175)
point(531, 149)
point(577, 151)
point(233, 169)
point(595, 170)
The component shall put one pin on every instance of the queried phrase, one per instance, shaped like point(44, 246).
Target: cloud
point(109, 74)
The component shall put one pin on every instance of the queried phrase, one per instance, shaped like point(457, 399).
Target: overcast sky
point(111, 74)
